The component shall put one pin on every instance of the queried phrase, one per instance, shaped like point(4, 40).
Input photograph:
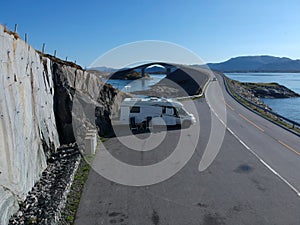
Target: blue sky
point(214, 30)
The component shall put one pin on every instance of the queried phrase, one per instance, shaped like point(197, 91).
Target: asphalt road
point(244, 170)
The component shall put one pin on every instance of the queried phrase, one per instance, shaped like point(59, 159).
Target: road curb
point(195, 96)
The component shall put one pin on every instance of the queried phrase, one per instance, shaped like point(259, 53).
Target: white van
point(157, 111)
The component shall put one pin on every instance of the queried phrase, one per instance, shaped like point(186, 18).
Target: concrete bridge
point(143, 67)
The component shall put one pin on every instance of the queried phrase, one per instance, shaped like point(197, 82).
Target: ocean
point(135, 85)
point(288, 107)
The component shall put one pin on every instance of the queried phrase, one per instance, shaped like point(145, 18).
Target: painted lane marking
point(229, 106)
point(282, 178)
point(289, 147)
point(266, 164)
point(254, 124)
point(214, 112)
point(255, 154)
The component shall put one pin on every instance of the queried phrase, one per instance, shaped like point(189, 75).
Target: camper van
point(155, 111)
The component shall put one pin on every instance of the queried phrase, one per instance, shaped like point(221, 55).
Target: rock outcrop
point(38, 110)
point(128, 75)
point(238, 88)
point(270, 90)
point(27, 123)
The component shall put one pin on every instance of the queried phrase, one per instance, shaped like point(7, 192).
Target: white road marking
point(265, 164)
point(243, 143)
point(256, 155)
point(216, 114)
point(282, 178)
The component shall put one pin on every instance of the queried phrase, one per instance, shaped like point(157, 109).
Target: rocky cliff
point(27, 122)
point(37, 93)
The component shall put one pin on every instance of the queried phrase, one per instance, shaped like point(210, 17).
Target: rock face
point(82, 101)
point(38, 110)
point(27, 122)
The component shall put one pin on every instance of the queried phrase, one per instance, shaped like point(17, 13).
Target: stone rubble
point(246, 93)
point(45, 201)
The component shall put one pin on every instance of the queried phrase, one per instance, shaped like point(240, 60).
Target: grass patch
point(253, 85)
point(69, 213)
point(103, 139)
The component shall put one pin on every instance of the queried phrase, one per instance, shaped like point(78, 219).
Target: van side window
point(170, 111)
point(135, 109)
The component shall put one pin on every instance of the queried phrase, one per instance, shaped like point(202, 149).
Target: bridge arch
point(168, 66)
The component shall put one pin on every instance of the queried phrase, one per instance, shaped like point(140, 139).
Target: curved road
point(275, 147)
point(245, 170)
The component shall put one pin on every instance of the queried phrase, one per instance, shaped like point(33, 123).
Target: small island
point(269, 90)
point(129, 75)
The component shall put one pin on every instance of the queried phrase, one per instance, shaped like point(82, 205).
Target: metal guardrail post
point(16, 28)
point(43, 48)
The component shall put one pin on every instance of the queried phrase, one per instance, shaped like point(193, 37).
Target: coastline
point(288, 107)
point(255, 104)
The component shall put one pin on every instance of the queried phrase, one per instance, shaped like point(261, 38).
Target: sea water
point(287, 107)
point(136, 85)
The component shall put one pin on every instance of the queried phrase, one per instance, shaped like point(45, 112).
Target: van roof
point(150, 101)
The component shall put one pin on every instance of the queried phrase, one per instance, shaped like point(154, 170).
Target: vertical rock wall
point(37, 94)
point(27, 122)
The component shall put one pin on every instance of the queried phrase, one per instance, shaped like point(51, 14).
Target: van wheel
point(186, 124)
point(143, 127)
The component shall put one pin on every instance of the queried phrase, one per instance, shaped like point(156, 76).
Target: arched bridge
point(143, 67)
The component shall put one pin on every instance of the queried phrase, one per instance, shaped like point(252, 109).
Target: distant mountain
point(257, 64)
point(104, 69)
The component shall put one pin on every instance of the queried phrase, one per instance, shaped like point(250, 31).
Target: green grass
point(253, 85)
point(69, 213)
point(103, 139)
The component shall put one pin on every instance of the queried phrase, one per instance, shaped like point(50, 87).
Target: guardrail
point(195, 96)
point(293, 124)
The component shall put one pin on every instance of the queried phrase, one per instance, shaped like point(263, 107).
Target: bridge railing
point(293, 124)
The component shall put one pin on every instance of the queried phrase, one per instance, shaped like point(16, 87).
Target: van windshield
point(182, 112)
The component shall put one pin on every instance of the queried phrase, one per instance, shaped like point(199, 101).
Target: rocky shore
point(255, 91)
point(269, 90)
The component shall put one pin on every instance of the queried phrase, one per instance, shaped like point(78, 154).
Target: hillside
point(257, 64)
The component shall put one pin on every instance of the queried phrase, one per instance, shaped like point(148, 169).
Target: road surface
point(252, 179)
